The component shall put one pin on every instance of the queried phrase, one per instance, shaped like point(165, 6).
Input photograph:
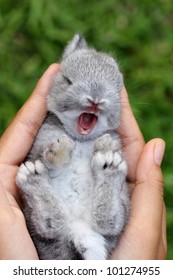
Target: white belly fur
point(74, 181)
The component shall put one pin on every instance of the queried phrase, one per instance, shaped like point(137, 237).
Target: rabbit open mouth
point(86, 122)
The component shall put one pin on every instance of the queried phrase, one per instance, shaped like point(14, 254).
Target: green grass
point(138, 32)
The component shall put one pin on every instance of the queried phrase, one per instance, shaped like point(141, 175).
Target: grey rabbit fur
point(73, 182)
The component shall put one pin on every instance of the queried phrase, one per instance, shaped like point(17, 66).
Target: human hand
point(145, 234)
point(15, 143)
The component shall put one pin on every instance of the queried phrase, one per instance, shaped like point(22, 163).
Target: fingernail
point(159, 151)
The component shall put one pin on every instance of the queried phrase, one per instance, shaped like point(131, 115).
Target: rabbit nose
point(96, 105)
point(93, 107)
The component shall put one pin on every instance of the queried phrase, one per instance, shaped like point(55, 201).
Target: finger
point(18, 138)
point(147, 198)
point(164, 238)
point(131, 136)
point(4, 203)
point(163, 248)
point(7, 179)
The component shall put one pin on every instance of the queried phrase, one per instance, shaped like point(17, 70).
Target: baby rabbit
point(73, 182)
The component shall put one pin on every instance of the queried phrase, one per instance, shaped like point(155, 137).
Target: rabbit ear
point(78, 42)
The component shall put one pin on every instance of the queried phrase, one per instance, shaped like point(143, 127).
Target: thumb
point(147, 198)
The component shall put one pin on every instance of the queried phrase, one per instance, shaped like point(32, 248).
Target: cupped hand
point(145, 234)
point(15, 143)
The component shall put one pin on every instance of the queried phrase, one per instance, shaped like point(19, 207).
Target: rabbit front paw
point(59, 152)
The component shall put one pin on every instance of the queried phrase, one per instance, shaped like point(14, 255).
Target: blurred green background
point(138, 32)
